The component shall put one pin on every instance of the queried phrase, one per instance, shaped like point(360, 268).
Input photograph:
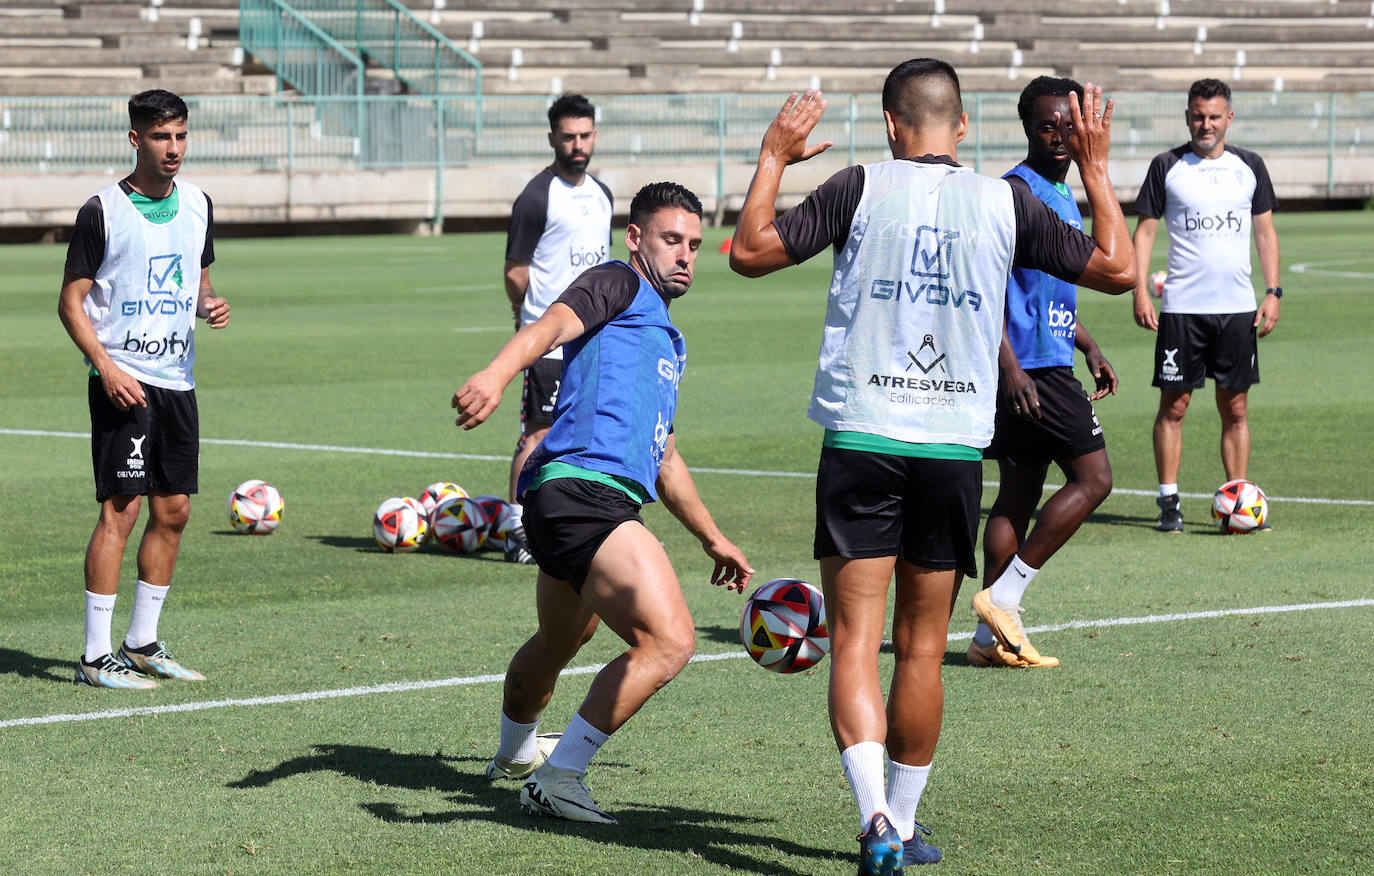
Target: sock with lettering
point(1011, 585)
point(519, 742)
point(99, 615)
point(863, 768)
point(578, 745)
point(148, 599)
point(904, 786)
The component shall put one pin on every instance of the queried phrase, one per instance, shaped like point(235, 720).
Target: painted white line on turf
point(1319, 269)
point(487, 457)
point(467, 681)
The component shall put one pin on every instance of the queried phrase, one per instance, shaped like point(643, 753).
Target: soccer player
point(1211, 196)
point(904, 388)
point(137, 276)
point(611, 448)
point(1043, 414)
point(559, 226)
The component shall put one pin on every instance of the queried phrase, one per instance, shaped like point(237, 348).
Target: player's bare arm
point(480, 395)
point(210, 307)
point(1104, 375)
point(517, 282)
point(757, 249)
point(1144, 241)
point(1014, 383)
point(1267, 243)
point(123, 390)
point(678, 492)
point(1112, 267)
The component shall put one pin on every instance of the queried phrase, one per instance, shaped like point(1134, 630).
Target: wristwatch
point(1276, 291)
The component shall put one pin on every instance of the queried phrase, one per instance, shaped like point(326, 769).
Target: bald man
point(906, 389)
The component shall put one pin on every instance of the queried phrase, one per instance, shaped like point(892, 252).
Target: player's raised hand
point(785, 138)
point(1089, 134)
point(476, 399)
point(732, 568)
point(216, 312)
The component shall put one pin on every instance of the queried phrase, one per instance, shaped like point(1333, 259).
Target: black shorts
point(880, 505)
point(1191, 347)
point(540, 394)
point(1067, 428)
point(567, 519)
point(144, 448)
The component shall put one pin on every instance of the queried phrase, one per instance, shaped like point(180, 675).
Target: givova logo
point(164, 290)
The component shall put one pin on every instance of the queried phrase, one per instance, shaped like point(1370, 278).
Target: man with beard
point(610, 450)
point(559, 227)
point(1043, 414)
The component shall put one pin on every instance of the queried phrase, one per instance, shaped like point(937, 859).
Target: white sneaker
point(108, 672)
point(561, 794)
point(505, 768)
point(155, 660)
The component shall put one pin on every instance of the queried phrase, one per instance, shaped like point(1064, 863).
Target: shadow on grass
point(32, 666)
point(365, 545)
point(712, 836)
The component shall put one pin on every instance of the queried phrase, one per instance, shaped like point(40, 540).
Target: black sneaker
point(1170, 516)
point(916, 850)
point(517, 548)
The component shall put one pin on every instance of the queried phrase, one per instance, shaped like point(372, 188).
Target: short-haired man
point(1043, 414)
point(137, 277)
point(559, 226)
point(611, 449)
point(1211, 196)
point(908, 367)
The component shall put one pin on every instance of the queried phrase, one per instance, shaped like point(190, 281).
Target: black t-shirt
point(1044, 242)
point(86, 250)
point(602, 293)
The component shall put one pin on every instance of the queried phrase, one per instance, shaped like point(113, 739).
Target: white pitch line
point(1320, 269)
point(467, 681)
point(486, 457)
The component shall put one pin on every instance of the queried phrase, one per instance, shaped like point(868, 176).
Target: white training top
point(1207, 205)
point(142, 301)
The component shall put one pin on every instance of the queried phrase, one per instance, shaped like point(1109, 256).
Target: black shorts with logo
point(1067, 428)
point(1191, 347)
point(881, 505)
point(540, 394)
point(567, 519)
point(144, 448)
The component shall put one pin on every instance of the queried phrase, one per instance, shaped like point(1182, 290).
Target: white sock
point(863, 767)
point(982, 637)
point(904, 786)
point(1168, 489)
point(517, 515)
point(99, 614)
point(1011, 585)
point(580, 743)
point(519, 742)
point(148, 600)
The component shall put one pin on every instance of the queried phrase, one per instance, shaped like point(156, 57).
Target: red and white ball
point(400, 525)
point(255, 507)
point(459, 525)
point(435, 494)
point(1239, 506)
point(1156, 283)
point(500, 521)
point(783, 626)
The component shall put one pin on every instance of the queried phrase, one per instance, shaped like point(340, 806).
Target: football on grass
point(1239, 506)
point(399, 525)
point(255, 508)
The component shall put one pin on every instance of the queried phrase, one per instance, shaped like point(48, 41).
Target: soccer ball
point(1239, 506)
point(255, 507)
point(459, 525)
point(783, 626)
point(500, 516)
point(435, 494)
point(400, 525)
point(1157, 283)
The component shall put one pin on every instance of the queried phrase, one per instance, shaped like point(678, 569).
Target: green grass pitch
point(1237, 742)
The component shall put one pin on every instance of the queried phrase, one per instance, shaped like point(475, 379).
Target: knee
point(674, 650)
point(1098, 484)
point(173, 515)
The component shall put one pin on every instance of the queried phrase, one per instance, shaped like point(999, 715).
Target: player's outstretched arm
point(1104, 376)
point(756, 248)
point(1112, 268)
point(479, 396)
point(1144, 242)
point(209, 307)
point(679, 494)
point(122, 389)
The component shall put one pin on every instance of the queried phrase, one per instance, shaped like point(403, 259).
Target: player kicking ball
point(610, 449)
